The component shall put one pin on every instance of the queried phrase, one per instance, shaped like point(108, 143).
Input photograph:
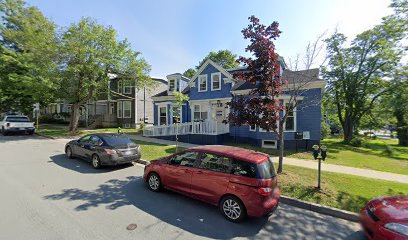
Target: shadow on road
point(204, 220)
point(18, 137)
point(82, 166)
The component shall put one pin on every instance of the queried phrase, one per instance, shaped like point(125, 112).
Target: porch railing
point(207, 128)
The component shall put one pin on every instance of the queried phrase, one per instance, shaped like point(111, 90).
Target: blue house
point(201, 118)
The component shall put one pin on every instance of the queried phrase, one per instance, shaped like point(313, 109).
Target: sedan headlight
point(398, 228)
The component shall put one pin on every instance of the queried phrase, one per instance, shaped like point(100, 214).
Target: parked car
point(240, 182)
point(16, 124)
point(386, 218)
point(104, 149)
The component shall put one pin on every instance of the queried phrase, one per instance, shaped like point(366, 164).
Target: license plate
point(21, 129)
point(127, 153)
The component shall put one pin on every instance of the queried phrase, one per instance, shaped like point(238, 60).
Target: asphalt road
point(44, 195)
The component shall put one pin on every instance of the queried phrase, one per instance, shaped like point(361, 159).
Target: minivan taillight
point(110, 151)
point(265, 191)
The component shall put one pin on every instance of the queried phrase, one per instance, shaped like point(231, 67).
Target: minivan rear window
point(264, 170)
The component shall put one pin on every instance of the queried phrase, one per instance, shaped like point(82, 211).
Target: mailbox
point(299, 135)
point(316, 150)
point(323, 152)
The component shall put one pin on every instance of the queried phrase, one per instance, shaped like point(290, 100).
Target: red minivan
point(240, 182)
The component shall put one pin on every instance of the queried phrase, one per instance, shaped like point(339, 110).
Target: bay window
point(127, 109)
point(163, 115)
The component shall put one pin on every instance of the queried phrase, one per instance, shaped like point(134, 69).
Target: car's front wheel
point(68, 152)
point(154, 182)
point(96, 162)
point(232, 208)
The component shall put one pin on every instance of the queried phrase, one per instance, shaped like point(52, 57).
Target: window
point(269, 144)
point(85, 139)
point(120, 86)
point(172, 85)
point(199, 113)
point(242, 168)
point(202, 83)
point(290, 119)
point(162, 115)
point(215, 81)
point(95, 140)
point(215, 163)
point(117, 141)
point(184, 159)
point(127, 87)
point(176, 111)
point(111, 108)
point(119, 110)
point(252, 128)
point(127, 109)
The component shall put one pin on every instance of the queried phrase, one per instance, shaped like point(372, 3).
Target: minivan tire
point(232, 209)
point(154, 182)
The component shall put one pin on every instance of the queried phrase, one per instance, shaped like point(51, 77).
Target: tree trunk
point(402, 128)
point(281, 147)
point(348, 129)
point(73, 121)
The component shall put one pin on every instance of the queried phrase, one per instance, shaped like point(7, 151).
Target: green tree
point(28, 57)
point(224, 58)
point(179, 99)
point(356, 71)
point(90, 53)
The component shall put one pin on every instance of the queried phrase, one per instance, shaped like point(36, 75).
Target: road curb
point(314, 207)
point(45, 136)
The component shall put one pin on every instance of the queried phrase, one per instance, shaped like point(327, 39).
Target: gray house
point(124, 106)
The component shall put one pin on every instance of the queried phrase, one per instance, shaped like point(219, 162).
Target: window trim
point(126, 87)
point(252, 130)
point(212, 81)
point(294, 120)
point(172, 113)
point(158, 115)
point(200, 111)
point(199, 82)
point(119, 108)
point(175, 85)
point(130, 109)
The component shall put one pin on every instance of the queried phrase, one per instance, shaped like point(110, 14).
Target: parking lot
point(45, 195)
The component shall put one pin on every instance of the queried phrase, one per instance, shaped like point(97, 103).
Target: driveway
point(44, 195)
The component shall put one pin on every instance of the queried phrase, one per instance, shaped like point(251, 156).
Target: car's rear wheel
point(154, 182)
point(30, 132)
point(96, 162)
point(232, 208)
point(68, 152)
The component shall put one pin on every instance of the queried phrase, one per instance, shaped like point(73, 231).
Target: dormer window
point(202, 83)
point(215, 81)
point(172, 85)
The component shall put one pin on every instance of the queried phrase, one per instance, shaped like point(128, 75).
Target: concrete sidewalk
point(303, 163)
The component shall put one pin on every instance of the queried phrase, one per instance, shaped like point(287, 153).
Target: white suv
point(16, 124)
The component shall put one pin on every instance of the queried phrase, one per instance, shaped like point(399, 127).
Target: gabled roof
point(287, 75)
point(204, 65)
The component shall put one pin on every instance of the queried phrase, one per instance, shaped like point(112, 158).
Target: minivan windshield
point(266, 169)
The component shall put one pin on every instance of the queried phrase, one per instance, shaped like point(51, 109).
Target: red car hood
point(390, 209)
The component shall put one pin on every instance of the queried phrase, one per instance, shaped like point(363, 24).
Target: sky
point(175, 35)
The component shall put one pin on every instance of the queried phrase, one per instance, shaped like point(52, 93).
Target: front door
point(179, 171)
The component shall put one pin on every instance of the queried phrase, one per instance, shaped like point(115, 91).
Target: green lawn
point(338, 190)
point(371, 156)
point(57, 130)
point(151, 151)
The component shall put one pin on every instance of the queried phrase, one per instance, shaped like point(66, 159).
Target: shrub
point(357, 142)
point(389, 151)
